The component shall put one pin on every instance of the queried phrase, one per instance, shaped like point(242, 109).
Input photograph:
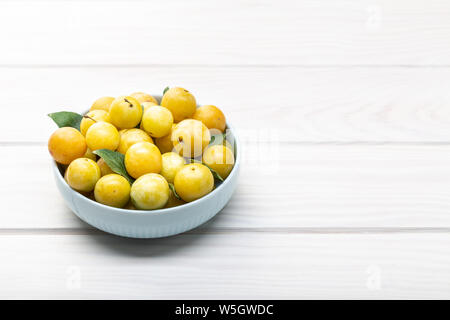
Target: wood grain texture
point(243, 32)
point(281, 186)
point(343, 112)
point(247, 266)
point(264, 103)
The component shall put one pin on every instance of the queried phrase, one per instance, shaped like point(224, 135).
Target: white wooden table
point(344, 108)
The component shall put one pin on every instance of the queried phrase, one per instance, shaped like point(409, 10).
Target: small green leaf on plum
point(116, 161)
point(67, 119)
point(172, 188)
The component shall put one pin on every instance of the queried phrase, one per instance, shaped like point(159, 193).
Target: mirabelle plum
point(143, 97)
point(82, 174)
point(67, 144)
point(102, 103)
point(104, 168)
point(125, 112)
point(112, 190)
point(129, 137)
point(211, 116)
point(92, 117)
point(190, 137)
point(146, 105)
point(180, 102)
point(142, 158)
point(171, 163)
point(165, 143)
point(90, 155)
point(220, 159)
point(102, 135)
point(157, 121)
point(193, 181)
point(150, 191)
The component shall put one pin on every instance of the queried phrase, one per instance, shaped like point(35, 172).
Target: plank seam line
point(205, 66)
point(305, 143)
point(233, 230)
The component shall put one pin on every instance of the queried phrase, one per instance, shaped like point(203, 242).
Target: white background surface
point(344, 107)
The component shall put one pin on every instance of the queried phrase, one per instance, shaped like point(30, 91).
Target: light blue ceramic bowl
point(152, 223)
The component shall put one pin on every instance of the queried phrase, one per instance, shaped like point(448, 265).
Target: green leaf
point(116, 161)
point(218, 139)
point(214, 172)
point(172, 188)
point(67, 119)
point(165, 89)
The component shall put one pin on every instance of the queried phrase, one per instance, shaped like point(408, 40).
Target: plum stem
point(87, 117)
point(131, 105)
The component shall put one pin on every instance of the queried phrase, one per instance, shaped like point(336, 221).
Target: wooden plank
point(224, 266)
point(282, 104)
point(226, 32)
point(281, 186)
